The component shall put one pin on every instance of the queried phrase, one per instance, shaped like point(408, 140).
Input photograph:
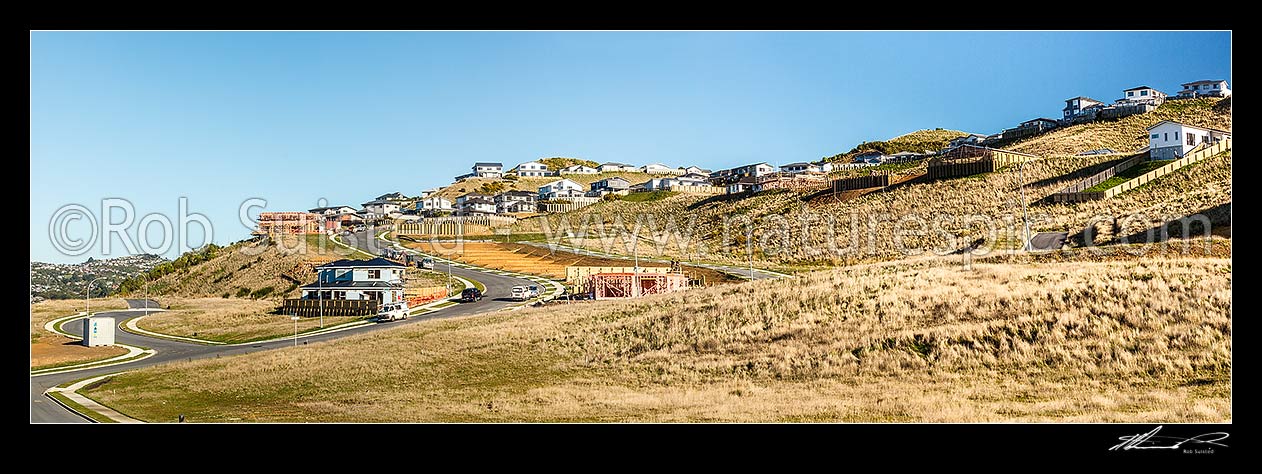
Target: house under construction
point(633, 284)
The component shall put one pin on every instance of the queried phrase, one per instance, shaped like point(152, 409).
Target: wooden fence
point(1077, 192)
point(944, 170)
point(1203, 153)
point(698, 189)
point(1000, 156)
point(310, 308)
point(572, 204)
point(861, 182)
point(453, 225)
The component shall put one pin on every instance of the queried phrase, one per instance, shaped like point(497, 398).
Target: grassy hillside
point(556, 163)
point(918, 141)
point(1133, 341)
point(1127, 133)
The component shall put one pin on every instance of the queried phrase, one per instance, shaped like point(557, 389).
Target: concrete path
point(90, 404)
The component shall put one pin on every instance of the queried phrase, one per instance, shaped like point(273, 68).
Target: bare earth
point(48, 349)
point(228, 319)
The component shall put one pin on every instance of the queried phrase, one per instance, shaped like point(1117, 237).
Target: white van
point(520, 293)
point(392, 312)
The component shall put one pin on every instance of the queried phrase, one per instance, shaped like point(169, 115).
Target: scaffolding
point(633, 284)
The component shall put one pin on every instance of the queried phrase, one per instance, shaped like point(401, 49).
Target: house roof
point(578, 166)
point(394, 195)
point(1082, 97)
point(1137, 88)
point(869, 152)
point(337, 285)
point(655, 164)
point(517, 193)
point(1040, 119)
point(348, 263)
point(484, 164)
point(905, 153)
point(800, 163)
point(322, 209)
point(1155, 125)
point(473, 195)
point(561, 180)
point(1204, 82)
point(478, 200)
point(380, 201)
point(619, 178)
point(614, 164)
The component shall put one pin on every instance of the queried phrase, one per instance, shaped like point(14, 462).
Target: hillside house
point(612, 167)
point(381, 207)
point(1142, 95)
point(460, 200)
point(1205, 89)
point(334, 217)
point(658, 168)
point(532, 169)
point(288, 223)
point(903, 156)
point(332, 210)
point(515, 207)
point(433, 205)
point(613, 184)
point(579, 169)
point(735, 174)
point(488, 170)
point(1078, 105)
point(560, 188)
point(695, 170)
point(1040, 124)
point(377, 279)
point(871, 156)
point(799, 167)
point(428, 192)
point(743, 185)
point(511, 199)
point(1168, 140)
point(477, 205)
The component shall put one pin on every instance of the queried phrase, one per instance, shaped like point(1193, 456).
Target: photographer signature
point(1151, 440)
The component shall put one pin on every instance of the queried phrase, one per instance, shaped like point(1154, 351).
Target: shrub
point(243, 292)
point(262, 292)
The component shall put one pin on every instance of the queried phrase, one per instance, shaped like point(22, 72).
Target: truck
point(392, 312)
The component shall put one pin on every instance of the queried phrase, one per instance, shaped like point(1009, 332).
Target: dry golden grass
point(228, 319)
point(1139, 340)
point(49, 349)
point(532, 184)
point(1128, 133)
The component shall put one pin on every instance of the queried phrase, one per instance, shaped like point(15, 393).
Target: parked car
point(392, 312)
point(520, 293)
point(470, 295)
point(427, 263)
point(534, 291)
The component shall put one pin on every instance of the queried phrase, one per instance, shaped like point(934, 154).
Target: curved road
point(45, 410)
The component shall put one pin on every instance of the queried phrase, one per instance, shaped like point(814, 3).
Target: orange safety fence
point(419, 296)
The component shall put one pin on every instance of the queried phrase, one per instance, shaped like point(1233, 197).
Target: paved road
point(138, 303)
point(45, 410)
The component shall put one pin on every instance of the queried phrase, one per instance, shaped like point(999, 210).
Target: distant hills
point(68, 280)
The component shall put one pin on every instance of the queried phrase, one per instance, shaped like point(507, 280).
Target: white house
point(799, 167)
point(559, 188)
point(970, 139)
point(612, 167)
point(333, 211)
point(1168, 140)
point(871, 156)
point(695, 179)
point(460, 200)
point(532, 169)
point(381, 207)
point(515, 201)
point(579, 169)
point(1076, 105)
point(1205, 89)
point(488, 170)
point(377, 279)
point(753, 170)
point(695, 170)
point(903, 156)
point(658, 168)
point(433, 204)
point(1142, 95)
point(477, 205)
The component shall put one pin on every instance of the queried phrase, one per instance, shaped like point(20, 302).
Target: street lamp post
point(320, 295)
point(87, 295)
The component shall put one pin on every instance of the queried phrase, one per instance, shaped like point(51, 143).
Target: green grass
point(97, 417)
point(1127, 175)
point(647, 197)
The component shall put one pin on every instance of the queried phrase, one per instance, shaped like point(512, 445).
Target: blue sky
point(292, 117)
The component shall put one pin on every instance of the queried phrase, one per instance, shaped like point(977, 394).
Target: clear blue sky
point(292, 117)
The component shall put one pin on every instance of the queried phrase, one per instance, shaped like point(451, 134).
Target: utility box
point(98, 331)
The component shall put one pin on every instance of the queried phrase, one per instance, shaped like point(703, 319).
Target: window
point(1143, 92)
point(374, 274)
point(1155, 136)
point(1130, 93)
point(1215, 86)
point(1166, 136)
point(1191, 139)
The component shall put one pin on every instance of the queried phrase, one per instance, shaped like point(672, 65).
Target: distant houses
point(1195, 89)
point(1168, 140)
point(870, 156)
point(379, 208)
point(484, 170)
point(1142, 94)
point(695, 170)
point(807, 167)
point(612, 167)
point(723, 177)
point(658, 168)
point(433, 205)
point(610, 185)
point(1077, 105)
point(561, 188)
point(515, 202)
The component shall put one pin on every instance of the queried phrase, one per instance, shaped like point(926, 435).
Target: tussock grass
point(1127, 133)
point(1136, 341)
point(229, 320)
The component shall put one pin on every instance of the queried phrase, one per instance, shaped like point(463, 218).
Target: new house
point(381, 208)
point(579, 169)
point(560, 188)
point(332, 210)
point(695, 170)
point(735, 174)
point(613, 184)
point(665, 184)
point(334, 217)
point(903, 156)
point(1168, 140)
point(487, 170)
point(1077, 105)
point(800, 167)
point(742, 185)
point(1040, 124)
point(871, 156)
point(515, 201)
point(395, 196)
point(477, 205)
point(1205, 89)
point(1142, 95)
point(460, 200)
point(970, 139)
point(532, 169)
point(658, 168)
point(433, 205)
point(612, 167)
point(377, 279)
